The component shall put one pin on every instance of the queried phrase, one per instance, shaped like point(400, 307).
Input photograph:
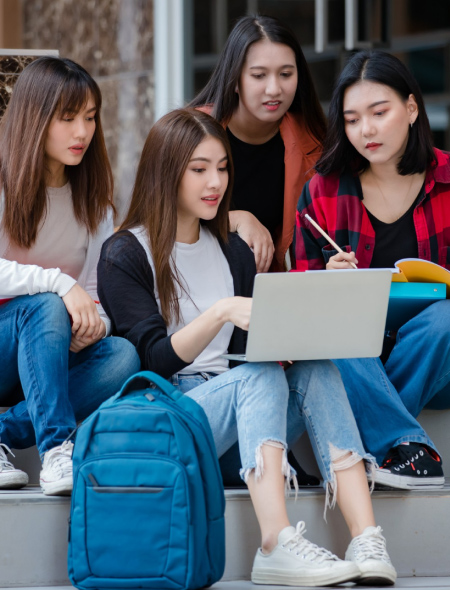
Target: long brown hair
point(165, 157)
point(49, 87)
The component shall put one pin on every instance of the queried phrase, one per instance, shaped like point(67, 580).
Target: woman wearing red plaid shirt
point(382, 192)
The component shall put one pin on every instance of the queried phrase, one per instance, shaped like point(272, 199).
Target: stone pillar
point(113, 40)
point(10, 24)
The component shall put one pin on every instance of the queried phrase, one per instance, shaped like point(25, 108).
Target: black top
point(394, 241)
point(127, 292)
point(259, 179)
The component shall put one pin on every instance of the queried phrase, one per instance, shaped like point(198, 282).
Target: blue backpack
point(148, 502)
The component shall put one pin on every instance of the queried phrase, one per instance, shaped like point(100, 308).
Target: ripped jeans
point(318, 403)
point(247, 404)
point(259, 402)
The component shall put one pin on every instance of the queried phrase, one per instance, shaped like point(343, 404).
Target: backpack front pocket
point(137, 525)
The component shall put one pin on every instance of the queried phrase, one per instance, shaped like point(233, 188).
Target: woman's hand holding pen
point(342, 260)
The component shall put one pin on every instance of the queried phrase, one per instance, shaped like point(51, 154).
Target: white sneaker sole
point(61, 487)
point(376, 580)
point(376, 573)
point(404, 482)
point(13, 480)
point(306, 577)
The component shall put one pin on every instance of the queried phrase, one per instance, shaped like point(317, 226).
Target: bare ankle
point(356, 529)
point(269, 542)
point(270, 539)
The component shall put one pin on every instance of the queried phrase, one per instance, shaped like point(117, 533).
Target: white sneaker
point(295, 561)
point(56, 476)
point(368, 551)
point(10, 477)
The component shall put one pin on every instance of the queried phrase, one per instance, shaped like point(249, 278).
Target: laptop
point(328, 314)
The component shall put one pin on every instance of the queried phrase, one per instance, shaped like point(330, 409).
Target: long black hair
point(377, 66)
point(220, 91)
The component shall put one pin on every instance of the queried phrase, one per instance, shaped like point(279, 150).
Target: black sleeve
point(127, 292)
point(242, 265)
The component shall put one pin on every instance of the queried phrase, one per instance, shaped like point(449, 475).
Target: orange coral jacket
point(301, 152)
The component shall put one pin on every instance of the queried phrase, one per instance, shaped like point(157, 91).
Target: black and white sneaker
point(411, 467)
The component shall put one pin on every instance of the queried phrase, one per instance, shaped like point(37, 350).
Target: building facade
point(149, 56)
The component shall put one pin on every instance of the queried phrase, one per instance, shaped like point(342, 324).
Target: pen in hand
point(326, 236)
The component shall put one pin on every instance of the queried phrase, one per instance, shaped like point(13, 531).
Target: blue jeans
point(247, 403)
point(59, 387)
point(311, 395)
point(386, 400)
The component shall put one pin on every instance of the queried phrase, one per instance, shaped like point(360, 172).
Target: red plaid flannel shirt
point(335, 203)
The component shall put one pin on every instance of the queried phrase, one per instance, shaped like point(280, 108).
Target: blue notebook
point(406, 300)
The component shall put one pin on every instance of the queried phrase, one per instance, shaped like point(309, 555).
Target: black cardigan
point(126, 289)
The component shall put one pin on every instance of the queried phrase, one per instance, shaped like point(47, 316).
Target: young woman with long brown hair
point(55, 212)
point(178, 285)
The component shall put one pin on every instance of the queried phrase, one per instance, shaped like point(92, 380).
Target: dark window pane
point(428, 69)
point(203, 42)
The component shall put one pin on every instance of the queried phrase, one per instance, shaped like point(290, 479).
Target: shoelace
point(57, 458)
point(302, 546)
point(371, 547)
point(5, 465)
point(402, 455)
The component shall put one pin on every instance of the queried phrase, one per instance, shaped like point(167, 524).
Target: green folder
point(406, 300)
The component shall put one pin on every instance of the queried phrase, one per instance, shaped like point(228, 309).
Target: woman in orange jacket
point(262, 92)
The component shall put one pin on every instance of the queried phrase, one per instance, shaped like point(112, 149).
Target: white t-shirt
point(61, 241)
point(74, 250)
point(204, 272)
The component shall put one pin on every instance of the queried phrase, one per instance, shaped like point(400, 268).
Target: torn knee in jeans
point(342, 459)
point(287, 471)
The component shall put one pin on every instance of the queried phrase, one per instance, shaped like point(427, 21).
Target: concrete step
point(33, 543)
point(402, 583)
point(435, 583)
point(416, 524)
point(33, 546)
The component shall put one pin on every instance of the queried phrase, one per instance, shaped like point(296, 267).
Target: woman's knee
point(98, 371)
point(315, 377)
point(272, 376)
point(120, 356)
point(435, 320)
point(47, 310)
point(50, 304)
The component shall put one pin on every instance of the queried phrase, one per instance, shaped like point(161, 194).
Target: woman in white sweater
point(55, 212)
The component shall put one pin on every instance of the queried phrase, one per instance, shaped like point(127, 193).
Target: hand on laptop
point(341, 260)
point(238, 310)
